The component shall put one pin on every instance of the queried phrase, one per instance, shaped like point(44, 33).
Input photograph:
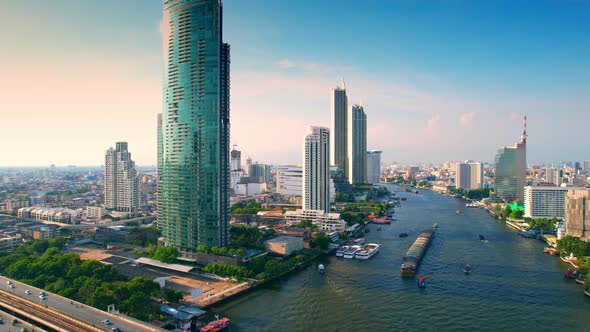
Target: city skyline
point(420, 105)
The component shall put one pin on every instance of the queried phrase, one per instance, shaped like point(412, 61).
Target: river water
point(513, 286)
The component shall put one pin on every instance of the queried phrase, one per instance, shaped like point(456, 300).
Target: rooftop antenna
point(524, 135)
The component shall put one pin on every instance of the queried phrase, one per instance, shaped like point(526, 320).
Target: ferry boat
point(321, 268)
point(360, 241)
point(458, 211)
point(351, 252)
point(481, 237)
point(379, 221)
point(368, 251)
point(403, 234)
point(472, 205)
point(341, 250)
point(216, 325)
point(467, 269)
point(414, 255)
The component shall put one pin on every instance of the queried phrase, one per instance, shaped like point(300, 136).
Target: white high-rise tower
point(316, 169)
point(121, 181)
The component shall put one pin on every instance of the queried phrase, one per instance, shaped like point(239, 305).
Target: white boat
point(341, 250)
point(359, 241)
point(368, 251)
point(471, 205)
point(321, 268)
point(351, 251)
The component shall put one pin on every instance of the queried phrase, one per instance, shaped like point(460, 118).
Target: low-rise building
point(94, 213)
point(249, 189)
point(8, 243)
point(284, 245)
point(544, 202)
point(327, 222)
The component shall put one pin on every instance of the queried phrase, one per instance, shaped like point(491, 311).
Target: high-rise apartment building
point(357, 145)
point(544, 202)
point(553, 175)
point(468, 175)
point(259, 173)
point(373, 166)
point(510, 174)
point(316, 169)
point(290, 180)
point(586, 166)
point(121, 181)
point(339, 131)
point(193, 195)
point(577, 213)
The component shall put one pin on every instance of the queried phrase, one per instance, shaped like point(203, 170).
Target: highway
point(7, 326)
point(68, 315)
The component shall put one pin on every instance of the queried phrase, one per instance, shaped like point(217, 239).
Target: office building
point(373, 167)
point(121, 181)
point(553, 175)
point(193, 196)
point(327, 222)
point(259, 172)
point(316, 169)
point(357, 145)
point(339, 130)
point(236, 172)
point(544, 202)
point(289, 180)
point(468, 176)
point(510, 173)
point(577, 213)
point(586, 166)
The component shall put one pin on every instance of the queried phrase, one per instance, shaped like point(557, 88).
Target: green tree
point(517, 214)
point(202, 248)
point(569, 244)
point(321, 241)
point(166, 254)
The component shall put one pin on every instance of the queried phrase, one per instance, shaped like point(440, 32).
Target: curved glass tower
point(193, 151)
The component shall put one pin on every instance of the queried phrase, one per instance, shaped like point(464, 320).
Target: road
point(7, 326)
point(83, 312)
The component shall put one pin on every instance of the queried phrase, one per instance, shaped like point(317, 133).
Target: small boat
point(458, 211)
point(378, 229)
point(351, 252)
point(570, 274)
point(403, 234)
point(471, 205)
point(421, 282)
point(403, 198)
point(435, 226)
point(366, 230)
point(341, 250)
point(368, 251)
point(216, 325)
point(321, 268)
point(481, 237)
point(360, 241)
point(467, 269)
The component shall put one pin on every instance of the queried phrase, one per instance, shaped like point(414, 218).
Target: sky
point(440, 80)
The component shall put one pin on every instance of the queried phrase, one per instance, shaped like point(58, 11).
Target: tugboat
point(216, 325)
point(458, 211)
point(366, 230)
point(378, 229)
point(321, 268)
point(467, 269)
point(403, 234)
point(481, 237)
point(421, 282)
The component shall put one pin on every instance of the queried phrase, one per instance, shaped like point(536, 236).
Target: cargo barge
point(415, 254)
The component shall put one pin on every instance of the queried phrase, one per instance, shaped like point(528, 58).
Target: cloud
point(432, 123)
point(466, 118)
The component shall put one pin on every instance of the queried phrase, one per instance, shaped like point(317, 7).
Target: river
point(513, 286)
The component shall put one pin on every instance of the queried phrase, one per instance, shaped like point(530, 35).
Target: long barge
point(415, 254)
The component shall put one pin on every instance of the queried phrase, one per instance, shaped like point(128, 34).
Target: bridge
point(137, 221)
point(61, 314)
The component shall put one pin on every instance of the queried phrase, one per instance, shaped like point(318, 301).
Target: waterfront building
point(339, 131)
point(510, 173)
point(553, 175)
point(544, 202)
point(316, 169)
point(468, 175)
point(284, 245)
point(289, 179)
point(121, 181)
point(327, 222)
point(357, 146)
point(373, 166)
point(193, 195)
point(577, 213)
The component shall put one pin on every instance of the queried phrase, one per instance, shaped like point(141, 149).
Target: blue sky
point(440, 80)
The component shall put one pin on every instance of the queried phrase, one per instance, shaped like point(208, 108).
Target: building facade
point(193, 194)
point(510, 172)
point(577, 213)
point(339, 130)
point(544, 202)
point(373, 167)
point(316, 169)
point(289, 180)
point(357, 169)
point(553, 175)
point(468, 175)
point(327, 222)
point(121, 181)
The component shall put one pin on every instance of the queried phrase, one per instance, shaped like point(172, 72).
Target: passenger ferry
point(216, 325)
point(351, 252)
point(341, 250)
point(472, 205)
point(368, 251)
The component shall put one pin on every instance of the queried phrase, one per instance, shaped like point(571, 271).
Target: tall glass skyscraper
point(193, 193)
point(339, 133)
point(510, 174)
point(357, 169)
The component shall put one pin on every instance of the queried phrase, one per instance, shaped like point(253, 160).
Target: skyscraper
point(510, 175)
point(468, 175)
point(357, 146)
point(339, 131)
point(193, 195)
point(553, 175)
point(316, 169)
point(121, 181)
point(577, 213)
point(374, 166)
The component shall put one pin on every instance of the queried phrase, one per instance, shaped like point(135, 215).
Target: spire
point(343, 84)
point(524, 135)
point(361, 103)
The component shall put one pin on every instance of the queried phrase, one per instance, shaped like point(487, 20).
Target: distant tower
point(316, 169)
point(357, 146)
point(510, 174)
point(121, 181)
point(373, 166)
point(236, 159)
point(339, 131)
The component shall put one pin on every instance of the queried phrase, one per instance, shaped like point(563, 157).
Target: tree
point(166, 254)
point(321, 241)
point(569, 244)
point(516, 214)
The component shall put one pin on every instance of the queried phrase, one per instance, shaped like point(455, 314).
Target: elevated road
point(59, 313)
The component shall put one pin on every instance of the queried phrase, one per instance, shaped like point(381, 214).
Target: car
point(43, 297)
point(107, 322)
point(28, 292)
point(116, 329)
point(42, 293)
point(11, 286)
point(1, 321)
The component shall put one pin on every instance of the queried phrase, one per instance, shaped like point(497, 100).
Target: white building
point(249, 189)
point(544, 202)
point(94, 213)
point(552, 176)
point(289, 180)
point(374, 166)
point(235, 177)
point(469, 175)
point(327, 222)
point(316, 169)
point(121, 181)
